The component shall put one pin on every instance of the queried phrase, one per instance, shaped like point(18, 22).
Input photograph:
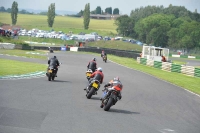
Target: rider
point(54, 62)
point(103, 53)
point(92, 65)
point(97, 75)
point(50, 49)
point(113, 84)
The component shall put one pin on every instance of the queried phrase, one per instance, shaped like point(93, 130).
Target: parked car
point(106, 38)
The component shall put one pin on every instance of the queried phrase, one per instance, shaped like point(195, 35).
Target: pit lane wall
point(170, 67)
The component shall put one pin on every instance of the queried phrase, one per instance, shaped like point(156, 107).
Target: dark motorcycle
point(51, 73)
point(50, 50)
point(92, 88)
point(110, 100)
point(104, 58)
point(88, 74)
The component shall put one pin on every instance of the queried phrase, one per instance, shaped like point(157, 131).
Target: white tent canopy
point(154, 53)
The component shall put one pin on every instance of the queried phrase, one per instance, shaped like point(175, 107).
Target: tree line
point(173, 27)
point(50, 14)
point(3, 9)
point(98, 10)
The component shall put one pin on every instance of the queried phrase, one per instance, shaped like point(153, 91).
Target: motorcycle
point(92, 88)
point(51, 72)
point(110, 100)
point(104, 58)
point(51, 51)
point(88, 74)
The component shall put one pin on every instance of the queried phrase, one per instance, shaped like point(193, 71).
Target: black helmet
point(54, 57)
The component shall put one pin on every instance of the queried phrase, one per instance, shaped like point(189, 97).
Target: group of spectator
point(8, 33)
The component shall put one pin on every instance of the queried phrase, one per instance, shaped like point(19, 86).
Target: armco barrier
point(120, 53)
point(167, 66)
point(56, 48)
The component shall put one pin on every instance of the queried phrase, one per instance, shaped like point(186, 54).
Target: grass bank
point(116, 45)
point(12, 67)
point(61, 23)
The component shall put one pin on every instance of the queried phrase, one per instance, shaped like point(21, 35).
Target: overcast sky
point(125, 6)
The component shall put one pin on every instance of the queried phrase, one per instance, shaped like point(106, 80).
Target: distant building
point(105, 17)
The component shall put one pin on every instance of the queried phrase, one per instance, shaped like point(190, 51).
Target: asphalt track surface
point(148, 105)
point(189, 62)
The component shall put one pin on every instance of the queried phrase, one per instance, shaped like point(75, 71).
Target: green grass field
point(61, 23)
point(12, 67)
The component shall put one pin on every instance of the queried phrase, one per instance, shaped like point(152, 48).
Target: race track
point(148, 105)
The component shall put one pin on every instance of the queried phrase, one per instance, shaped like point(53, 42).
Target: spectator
point(163, 59)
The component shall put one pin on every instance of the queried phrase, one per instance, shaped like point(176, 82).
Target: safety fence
point(170, 67)
point(7, 46)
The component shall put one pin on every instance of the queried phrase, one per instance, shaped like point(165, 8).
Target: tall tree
point(116, 11)
point(98, 10)
point(9, 10)
point(125, 25)
point(86, 15)
point(14, 12)
point(2, 9)
point(51, 14)
point(108, 10)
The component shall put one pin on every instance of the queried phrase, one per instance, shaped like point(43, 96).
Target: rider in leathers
point(114, 84)
point(103, 53)
point(92, 65)
point(55, 63)
point(97, 75)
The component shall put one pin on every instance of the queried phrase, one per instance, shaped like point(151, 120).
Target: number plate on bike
point(88, 74)
point(50, 71)
point(95, 85)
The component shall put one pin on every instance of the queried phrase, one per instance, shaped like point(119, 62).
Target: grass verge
point(184, 81)
point(12, 67)
point(26, 53)
point(116, 45)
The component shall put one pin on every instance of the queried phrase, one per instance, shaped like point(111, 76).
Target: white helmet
point(99, 69)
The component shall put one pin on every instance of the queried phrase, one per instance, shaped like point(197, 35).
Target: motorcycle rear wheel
point(91, 92)
point(109, 104)
point(49, 77)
